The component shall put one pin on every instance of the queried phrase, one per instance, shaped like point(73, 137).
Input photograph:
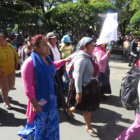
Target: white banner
point(109, 29)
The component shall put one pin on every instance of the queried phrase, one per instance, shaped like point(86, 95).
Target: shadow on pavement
point(8, 119)
point(20, 110)
point(73, 121)
point(111, 129)
point(23, 111)
point(17, 103)
point(112, 100)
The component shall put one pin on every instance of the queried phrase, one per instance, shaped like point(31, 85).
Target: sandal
point(92, 134)
point(8, 107)
point(66, 113)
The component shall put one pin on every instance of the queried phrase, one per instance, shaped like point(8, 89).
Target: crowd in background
point(42, 62)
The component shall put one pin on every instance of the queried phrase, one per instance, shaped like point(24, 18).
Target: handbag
point(59, 92)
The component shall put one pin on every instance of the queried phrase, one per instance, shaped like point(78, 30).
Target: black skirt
point(90, 96)
point(104, 81)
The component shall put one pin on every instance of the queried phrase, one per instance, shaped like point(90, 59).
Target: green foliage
point(65, 17)
point(100, 1)
point(135, 18)
point(28, 18)
point(16, 27)
point(7, 17)
point(7, 13)
point(76, 17)
point(136, 33)
point(135, 5)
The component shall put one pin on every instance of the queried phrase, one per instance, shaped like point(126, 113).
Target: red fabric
point(94, 63)
point(138, 64)
point(96, 49)
point(101, 57)
point(96, 68)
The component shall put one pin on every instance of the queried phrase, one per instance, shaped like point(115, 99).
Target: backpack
point(128, 91)
point(70, 66)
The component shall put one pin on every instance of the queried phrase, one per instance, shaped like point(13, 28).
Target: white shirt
point(56, 53)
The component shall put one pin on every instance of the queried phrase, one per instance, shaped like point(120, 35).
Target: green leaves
point(135, 18)
point(77, 17)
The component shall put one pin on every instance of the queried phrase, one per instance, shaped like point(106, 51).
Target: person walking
point(25, 51)
point(54, 51)
point(8, 63)
point(38, 72)
point(104, 71)
point(55, 55)
point(84, 91)
point(133, 52)
point(134, 129)
point(126, 49)
point(66, 50)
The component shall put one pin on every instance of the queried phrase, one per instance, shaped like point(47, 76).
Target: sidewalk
point(116, 61)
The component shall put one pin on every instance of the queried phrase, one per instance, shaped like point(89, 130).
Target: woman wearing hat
point(104, 71)
point(65, 46)
point(84, 91)
point(66, 50)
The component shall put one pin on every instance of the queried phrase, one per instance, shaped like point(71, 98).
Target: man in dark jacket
point(133, 51)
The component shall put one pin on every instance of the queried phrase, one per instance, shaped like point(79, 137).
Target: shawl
point(84, 41)
point(44, 85)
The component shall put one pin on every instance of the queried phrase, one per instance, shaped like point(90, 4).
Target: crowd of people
point(131, 49)
point(43, 63)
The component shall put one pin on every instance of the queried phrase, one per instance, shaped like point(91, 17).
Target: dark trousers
point(133, 60)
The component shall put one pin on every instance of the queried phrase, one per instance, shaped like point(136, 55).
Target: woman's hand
point(37, 108)
point(78, 98)
point(67, 59)
point(108, 52)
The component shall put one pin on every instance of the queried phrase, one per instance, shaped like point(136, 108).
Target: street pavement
point(109, 120)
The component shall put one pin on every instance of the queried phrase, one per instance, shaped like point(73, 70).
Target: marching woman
point(104, 71)
point(84, 91)
point(37, 75)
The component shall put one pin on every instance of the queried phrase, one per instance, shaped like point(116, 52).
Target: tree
point(100, 1)
point(135, 21)
point(7, 18)
point(50, 3)
point(124, 14)
point(77, 18)
point(134, 5)
point(87, 1)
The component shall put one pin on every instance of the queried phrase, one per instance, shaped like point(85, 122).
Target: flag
point(109, 29)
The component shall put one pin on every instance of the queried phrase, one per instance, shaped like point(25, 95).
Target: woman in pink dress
point(104, 71)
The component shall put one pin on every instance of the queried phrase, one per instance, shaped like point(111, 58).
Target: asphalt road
point(109, 121)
